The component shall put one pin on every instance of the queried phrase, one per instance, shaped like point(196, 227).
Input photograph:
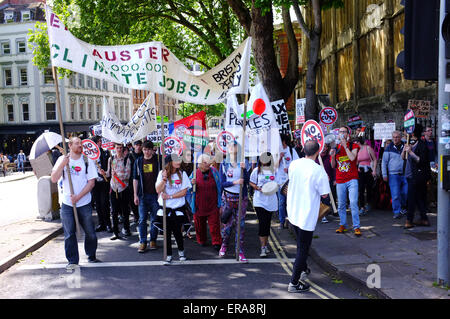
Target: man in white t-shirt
point(308, 181)
point(83, 174)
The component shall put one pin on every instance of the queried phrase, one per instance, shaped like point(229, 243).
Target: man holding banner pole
point(76, 200)
point(70, 217)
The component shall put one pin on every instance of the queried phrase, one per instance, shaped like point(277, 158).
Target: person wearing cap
point(265, 204)
point(206, 202)
point(231, 179)
point(133, 156)
point(145, 197)
point(171, 185)
point(308, 183)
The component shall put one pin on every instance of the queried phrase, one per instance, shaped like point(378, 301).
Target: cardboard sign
point(172, 145)
point(420, 108)
point(383, 131)
point(328, 116)
point(90, 149)
point(300, 111)
point(409, 122)
point(155, 136)
point(107, 144)
point(311, 131)
point(223, 139)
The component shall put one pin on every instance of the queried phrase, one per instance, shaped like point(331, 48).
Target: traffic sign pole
point(443, 206)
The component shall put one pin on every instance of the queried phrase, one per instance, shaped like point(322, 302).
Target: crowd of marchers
point(204, 193)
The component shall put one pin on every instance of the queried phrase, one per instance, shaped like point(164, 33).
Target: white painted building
point(28, 96)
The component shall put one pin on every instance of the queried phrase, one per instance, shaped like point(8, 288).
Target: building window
point(125, 90)
point(72, 111)
point(25, 112)
point(89, 111)
point(9, 17)
point(72, 80)
point(121, 89)
point(89, 82)
point(23, 77)
point(50, 111)
point(81, 80)
point(115, 87)
point(7, 75)
point(81, 110)
point(97, 84)
point(26, 15)
point(48, 76)
point(105, 85)
point(10, 112)
point(6, 48)
point(98, 111)
point(21, 47)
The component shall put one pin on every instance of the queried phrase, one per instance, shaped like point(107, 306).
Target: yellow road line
point(291, 266)
point(284, 264)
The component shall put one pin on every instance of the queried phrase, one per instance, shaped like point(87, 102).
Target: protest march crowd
point(204, 193)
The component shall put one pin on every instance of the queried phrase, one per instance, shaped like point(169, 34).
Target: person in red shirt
point(344, 160)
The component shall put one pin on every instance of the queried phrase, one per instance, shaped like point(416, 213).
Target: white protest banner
point(149, 66)
point(383, 131)
point(141, 124)
point(300, 111)
point(279, 109)
point(262, 131)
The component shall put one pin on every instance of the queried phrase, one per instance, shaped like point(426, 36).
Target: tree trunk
point(311, 112)
point(261, 32)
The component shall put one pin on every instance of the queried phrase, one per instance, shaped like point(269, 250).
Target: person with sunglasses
point(344, 159)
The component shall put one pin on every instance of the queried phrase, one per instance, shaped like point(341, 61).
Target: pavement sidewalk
point(20, 238)
point(407, 258)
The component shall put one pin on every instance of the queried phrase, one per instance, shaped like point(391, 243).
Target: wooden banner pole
point(241, 187)
point(61, 127)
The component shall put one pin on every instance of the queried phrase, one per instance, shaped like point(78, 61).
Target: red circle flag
point(311, 130)
point(259, 106)
point(90, 149)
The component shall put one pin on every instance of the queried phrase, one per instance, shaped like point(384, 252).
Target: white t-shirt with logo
point(285, 163)
point(79, 179)
point(176, 186)
point(307, 182)
point(268, 202)
point(232, 174)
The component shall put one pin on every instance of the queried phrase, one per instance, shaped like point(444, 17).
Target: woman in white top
point(172, 185)
point(264, 204)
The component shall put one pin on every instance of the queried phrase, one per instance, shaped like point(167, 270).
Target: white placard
point(383, 131)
